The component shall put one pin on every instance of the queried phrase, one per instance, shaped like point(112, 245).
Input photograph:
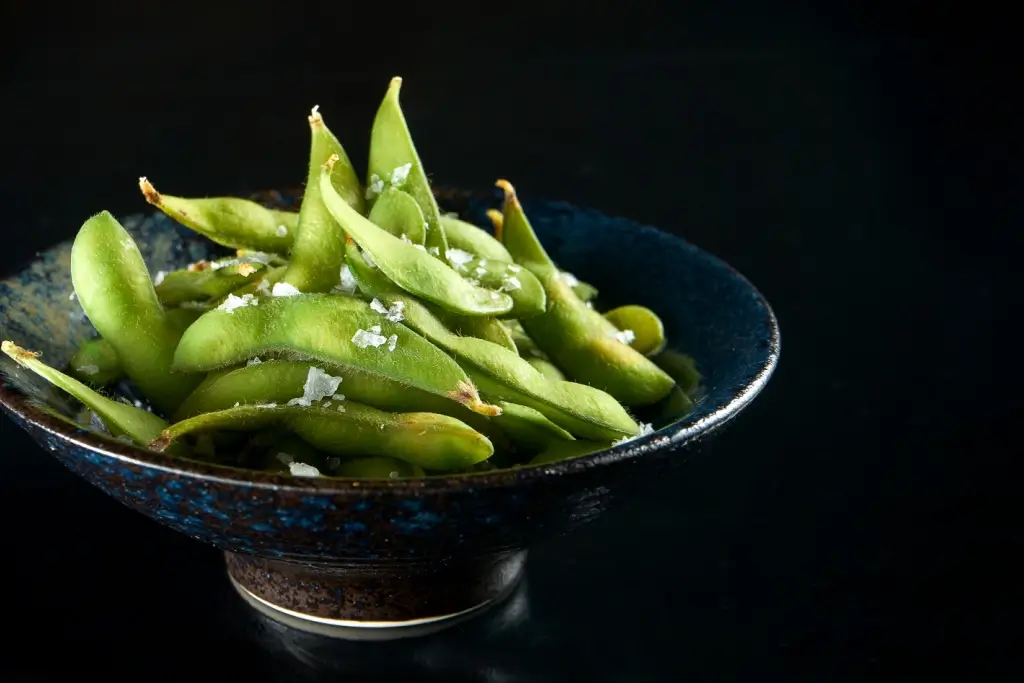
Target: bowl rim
point(667, 438)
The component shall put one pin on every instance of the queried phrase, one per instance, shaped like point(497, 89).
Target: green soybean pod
point(529, 427)
point(336, 330)
point(641, 326)
point(394, 162)
point(230, 221)
point(582, 410)
point(286, 450)
point(525, 290)
point(379, 467)
point(473, 239)
point(556, 451)
point(399, 214)
point(113, 286)
point(95, 362)
point(434, 442)
point(179, 286)
point(682, 367)
point(575, 337)
point(318, 251)
point(413, 270)
point(546, 368)
point(139, 425)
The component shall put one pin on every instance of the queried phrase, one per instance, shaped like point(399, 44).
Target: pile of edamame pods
point(366, 335)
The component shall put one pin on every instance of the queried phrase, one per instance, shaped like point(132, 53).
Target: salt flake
point(284, 289)
point(89, 369)
point(281, 231)
point(627, 337)
point(347, 283)
point(374, 187)
point(513, 268)
point(362, 338)
point(458, 258)
point(253, 361)
point(569, 279)
point(233, 302)
point(399, 175)
point(301, 469)
point(644, 429)
point(392, 342)
point(263, 287)
point(319, 385)
point(510, 283)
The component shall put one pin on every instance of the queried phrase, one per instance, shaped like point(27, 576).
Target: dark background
point(854, 164)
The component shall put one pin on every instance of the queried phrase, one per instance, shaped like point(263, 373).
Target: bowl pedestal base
point(374, 600)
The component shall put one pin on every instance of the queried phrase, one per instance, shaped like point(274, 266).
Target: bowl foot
point(360, 601)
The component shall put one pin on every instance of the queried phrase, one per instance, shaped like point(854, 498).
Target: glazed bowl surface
point(408, 551)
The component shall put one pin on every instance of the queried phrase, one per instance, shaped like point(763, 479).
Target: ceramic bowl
point(389, 558)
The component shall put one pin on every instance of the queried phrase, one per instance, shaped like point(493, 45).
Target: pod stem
point(315, 119)
point(497, 220)
point(149, 192)
point(19, 354)
point(467, 395)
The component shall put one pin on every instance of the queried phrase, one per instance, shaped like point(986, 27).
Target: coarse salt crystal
point(362, 338)
point(514, 268)
point(128, 243)
point(233, 302)
point(482, 262)
point(393, 475)
point(284, 289)
point(338, 397)
point(510, 283)
point(644, 429)
point(627, 337)
point(392, 342)
point(347, 283)
point(434, 251)
point(159, 277)
point(89, 369)
point(138, 403)
point(266, 405)
point(458, 258)
point(405, 238)
point(196, 305)
point(377, 306)
point(71, 296)
point(281, 231)
point(369, 259)
point(237, 403)
point(374, 187)
point(420, 247)
point(319, 385)
point(253, 361)
point(301, 469)
point(399, 175)
point(481, 271)
point(263, 287)
point(340, 408)
point(569, 279)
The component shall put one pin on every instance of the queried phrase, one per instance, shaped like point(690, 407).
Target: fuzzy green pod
point(337, 330)
point(230, 221)
point(576, 338)
point(434, 442)
point(473, 239)
point(95, 363)
point(394, 162)
point(640, 326)
point(412, 269)
point(113, 286)
point(319, 247)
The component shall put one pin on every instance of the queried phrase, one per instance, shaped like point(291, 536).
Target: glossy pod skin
point(433, 442)
point(394, 162)
point(139, 425)
point(279, 381)
point(113, 285)
point(574, 336)
point(474, 239)
point(577, 408)
point(398, 213)
point(322, 327)
point(95, 363)
point(529, 427)
point(229, 221)
point(318, 250)
point(525, 290)
point(643, 323)
point(412, 269)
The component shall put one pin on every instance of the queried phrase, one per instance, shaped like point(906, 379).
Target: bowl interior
point(710, 312)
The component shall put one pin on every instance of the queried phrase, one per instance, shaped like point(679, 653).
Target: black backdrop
point(852, 164)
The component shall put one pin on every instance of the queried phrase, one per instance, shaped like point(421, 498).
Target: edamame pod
point(319, 247)
point(528, 298)
point(475, 240)
point(394, 162)
point(340, 331)
point(529, 427)
point(413, 270)
point(113, 285)
point(682, 367)
point(185, 284)
point(434, 442)
point(139, 425)
point(580, 409)
point(546, 368)
point(641, 326)
point(557, 451)
point(230, 221)
point(287, 451)
point(377, 468)
point(574, 336)
point(399, 214)
point(95, 362)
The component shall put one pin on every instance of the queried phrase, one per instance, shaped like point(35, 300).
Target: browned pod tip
point(314, 117)
point(149, 192)
point(329, 164)
point(17, 353)
point(467, 395)
point(497, 220)
point(160, 443)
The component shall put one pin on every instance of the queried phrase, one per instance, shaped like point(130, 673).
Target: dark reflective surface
point(857, 172)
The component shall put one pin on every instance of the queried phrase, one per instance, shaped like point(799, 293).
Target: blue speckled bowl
point(342, 554)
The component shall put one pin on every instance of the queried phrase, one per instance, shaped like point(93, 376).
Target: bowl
point(381, 559)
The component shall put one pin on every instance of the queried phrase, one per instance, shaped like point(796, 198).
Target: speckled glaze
point(400, 550)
